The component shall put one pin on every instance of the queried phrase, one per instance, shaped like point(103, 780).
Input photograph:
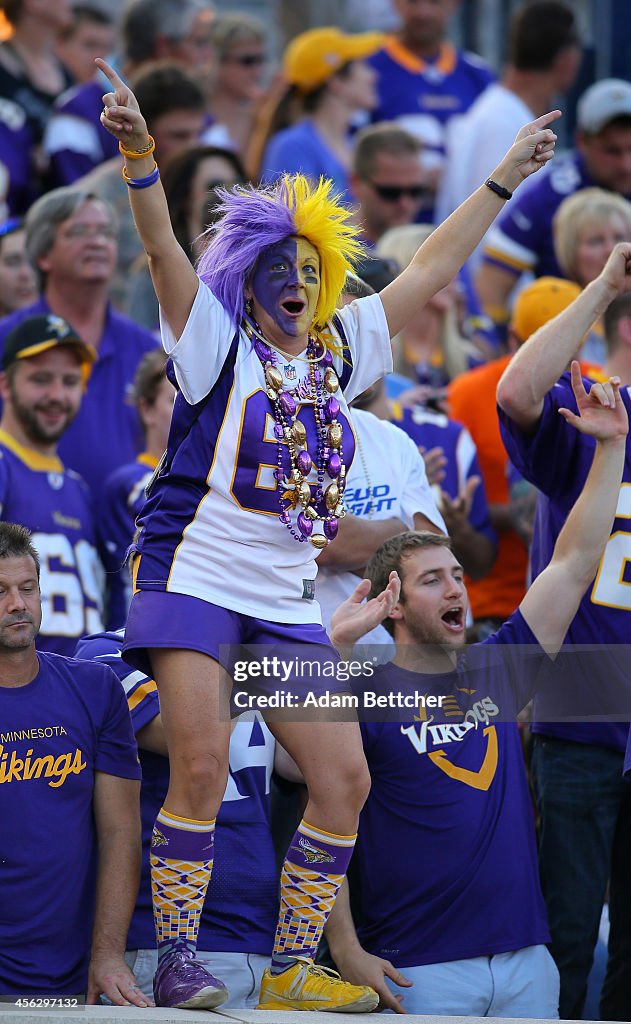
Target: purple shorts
point(292, 658)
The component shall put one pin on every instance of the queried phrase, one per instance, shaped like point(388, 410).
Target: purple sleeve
point(117, 752)
point(555, 458)
point(513, 663)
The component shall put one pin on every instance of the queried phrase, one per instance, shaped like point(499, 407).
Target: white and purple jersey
point(557, 459)
point(210, 527)
point(446, 838)
point(56, 733)
point(55, 504)
point(241, 905)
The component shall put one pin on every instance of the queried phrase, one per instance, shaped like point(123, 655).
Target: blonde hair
point(400, 244)
point(578, 212)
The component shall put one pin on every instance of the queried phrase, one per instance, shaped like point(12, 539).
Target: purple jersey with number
point(56, 732)
point(556, 459)
point(522, 238)
point(56, 505)
point(106, 432)
point(210, 527)
point(241, 905)
point(446, 837)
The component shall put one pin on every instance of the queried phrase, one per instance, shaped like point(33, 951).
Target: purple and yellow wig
point(253, 219)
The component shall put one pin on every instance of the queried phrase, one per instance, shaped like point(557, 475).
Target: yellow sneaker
point(305, 986)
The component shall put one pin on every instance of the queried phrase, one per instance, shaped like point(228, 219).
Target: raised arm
point(552, 601)
point(539, 363)
point(439, 258)
point(173, 277)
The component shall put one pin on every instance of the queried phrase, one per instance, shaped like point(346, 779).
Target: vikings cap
point(39, 333)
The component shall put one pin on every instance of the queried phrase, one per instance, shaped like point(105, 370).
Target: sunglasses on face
point(392, 193)
point(248, 60)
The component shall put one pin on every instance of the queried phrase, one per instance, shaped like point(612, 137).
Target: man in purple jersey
point(447, 858)
point(69, 784)
point(71, 238)
point(44, 369)
point(584, 805)
point(522, 241)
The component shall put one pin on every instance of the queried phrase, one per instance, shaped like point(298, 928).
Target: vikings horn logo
point(313, 854)
point(157, 839)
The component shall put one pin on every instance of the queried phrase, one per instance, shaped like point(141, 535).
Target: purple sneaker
point(184, 983)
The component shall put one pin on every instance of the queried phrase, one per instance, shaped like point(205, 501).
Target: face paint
point(286, 287)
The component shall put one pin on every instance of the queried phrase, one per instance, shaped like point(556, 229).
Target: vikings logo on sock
point(157, 839)
point(313, 854)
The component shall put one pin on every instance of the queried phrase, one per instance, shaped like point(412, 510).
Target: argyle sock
point(314, 867)
point(181, 865)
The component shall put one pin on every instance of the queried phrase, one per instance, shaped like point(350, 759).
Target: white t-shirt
point(395, 486)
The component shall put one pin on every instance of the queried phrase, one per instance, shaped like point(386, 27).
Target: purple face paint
point(286, 285)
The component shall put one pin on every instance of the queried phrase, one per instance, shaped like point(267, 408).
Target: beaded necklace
point(319, 503)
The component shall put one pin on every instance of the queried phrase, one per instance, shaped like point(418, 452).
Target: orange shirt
point(472, 402)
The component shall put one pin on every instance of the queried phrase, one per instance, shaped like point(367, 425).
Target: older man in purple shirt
point(71, 241)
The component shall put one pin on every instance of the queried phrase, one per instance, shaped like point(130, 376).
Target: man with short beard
point(449, 881)
point(45, 367)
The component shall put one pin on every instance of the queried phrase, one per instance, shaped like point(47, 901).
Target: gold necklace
point(360, 449)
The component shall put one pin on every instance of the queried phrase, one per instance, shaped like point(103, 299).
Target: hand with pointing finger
point(121, 114)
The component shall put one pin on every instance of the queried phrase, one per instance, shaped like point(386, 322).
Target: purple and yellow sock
point(314, 867)
point(181, 864)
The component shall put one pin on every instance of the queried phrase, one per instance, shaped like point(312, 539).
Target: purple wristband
point(145, 182)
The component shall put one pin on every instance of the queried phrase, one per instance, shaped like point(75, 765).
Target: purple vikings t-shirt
point(55, 733)
point(241, 905)
point(56, 505)
point(446, 838)
point(106, 432)
point(556, 459)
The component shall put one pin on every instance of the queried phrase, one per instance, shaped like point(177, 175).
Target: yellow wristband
point(137, 154)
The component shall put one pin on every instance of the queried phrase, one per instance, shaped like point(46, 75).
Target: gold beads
point(319, 541)
point(331, 496)
point(331, 382)
point(273, 378)
point(334, 435)
point(304, 494)
point(311, 513)
point(298, 432)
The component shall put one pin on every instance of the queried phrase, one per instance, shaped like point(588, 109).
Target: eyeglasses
point(392, 193)
point(247, 60)
point(90, 231)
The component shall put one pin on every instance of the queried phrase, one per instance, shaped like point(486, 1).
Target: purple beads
point(330, 528)
point(304, 525)
point(304, 463)
point(334, 465)
point(331, 409)
point(327, 359)
point(285, 517)
point(279, 433)
point(287, 403)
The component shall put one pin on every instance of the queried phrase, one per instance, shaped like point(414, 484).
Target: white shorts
point(522, 983)
point(241, 973)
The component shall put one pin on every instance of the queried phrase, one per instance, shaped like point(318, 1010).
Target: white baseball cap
point(602, 103)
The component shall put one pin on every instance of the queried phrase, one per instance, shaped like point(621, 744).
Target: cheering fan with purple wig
point(250, 490)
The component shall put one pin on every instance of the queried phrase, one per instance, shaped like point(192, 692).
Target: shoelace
point(326, 973)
